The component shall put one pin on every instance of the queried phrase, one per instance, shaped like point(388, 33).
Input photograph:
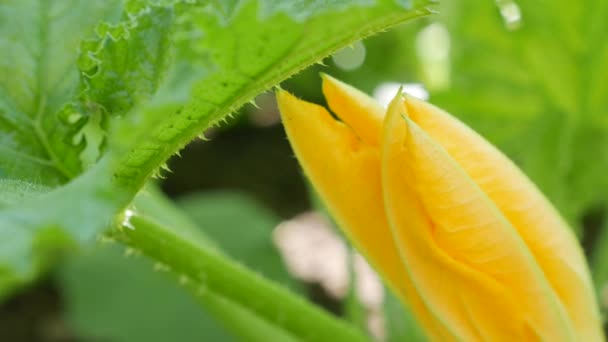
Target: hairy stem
point(206, 272)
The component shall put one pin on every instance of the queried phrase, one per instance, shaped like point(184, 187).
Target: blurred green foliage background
point(529, 82)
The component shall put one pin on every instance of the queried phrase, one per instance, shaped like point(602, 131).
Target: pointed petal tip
point(430, 117)
point(326, 77)
point(281, 95)
point(418, 107)
point(288, 103)
point(362, 113)
point(397, 100)
point(397, 107)
point(396, 124)
point(332, 87)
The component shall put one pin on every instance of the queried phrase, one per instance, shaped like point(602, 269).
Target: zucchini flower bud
point(457, 231)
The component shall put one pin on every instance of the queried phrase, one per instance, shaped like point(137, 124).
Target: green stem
point(208, 271)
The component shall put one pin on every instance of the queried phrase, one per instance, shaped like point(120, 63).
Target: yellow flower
point(452, 225)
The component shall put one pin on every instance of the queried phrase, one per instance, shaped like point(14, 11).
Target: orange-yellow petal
point(467, 260)
point(552, 243)
point(346, 174)
point(359, 111)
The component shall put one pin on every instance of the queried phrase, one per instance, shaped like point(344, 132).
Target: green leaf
point(301, 10)
point(532, 87)
point(42, 225)
point(38, 74)
point(14, 191)
point(38, 227)
point(125, 64)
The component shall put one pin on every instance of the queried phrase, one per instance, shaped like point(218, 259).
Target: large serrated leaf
point(111, 116)
point(39, 40)
point(244, 56)
point(49, 118)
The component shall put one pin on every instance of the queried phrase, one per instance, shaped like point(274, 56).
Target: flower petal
point(465, 257)
point(547, 236)
point(346, 173)
point(359, 111)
